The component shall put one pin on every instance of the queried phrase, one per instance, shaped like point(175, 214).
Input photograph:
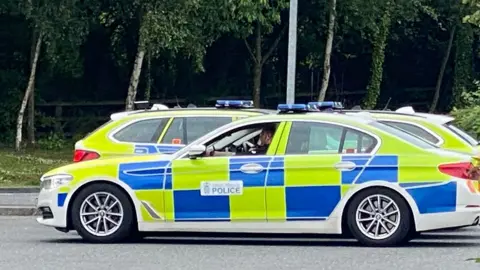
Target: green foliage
point(63, 25)
point(90, 45)
point(378, 57)
point(474, 15)
point(373, 19)
point(10, 96)
point(471, 98)
point(52, 141)
point(463, 64)
point(467, 117)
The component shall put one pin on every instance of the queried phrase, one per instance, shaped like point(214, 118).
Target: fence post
point(58, 119)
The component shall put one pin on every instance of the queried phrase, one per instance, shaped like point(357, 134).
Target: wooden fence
point(99, 112)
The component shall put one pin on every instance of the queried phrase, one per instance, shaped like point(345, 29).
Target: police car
point(434, 128)
point(391, 187)
point(159, 129)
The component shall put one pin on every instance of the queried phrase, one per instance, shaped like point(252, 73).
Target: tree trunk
point(257, 71)
point(31, 102)
point(31, 119)
point(137, 69)
point(442, 71)
point(30, 86)
point(328, 51)
point(132, 88)
point(148, 88)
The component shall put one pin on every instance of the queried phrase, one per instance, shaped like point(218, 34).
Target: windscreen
point(404, 135)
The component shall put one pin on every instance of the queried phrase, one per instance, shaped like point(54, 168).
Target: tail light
point(83, 155)
point(464, 170)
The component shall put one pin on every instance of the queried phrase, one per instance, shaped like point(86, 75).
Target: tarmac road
point(26, 245)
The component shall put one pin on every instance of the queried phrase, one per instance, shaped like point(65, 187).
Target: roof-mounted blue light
point(292, 108)
point(324, 105)
point(234, 104)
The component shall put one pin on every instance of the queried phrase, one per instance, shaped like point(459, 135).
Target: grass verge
point(25, 168)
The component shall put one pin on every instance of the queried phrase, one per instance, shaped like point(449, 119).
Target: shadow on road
point(449, 236)
point(426, 241)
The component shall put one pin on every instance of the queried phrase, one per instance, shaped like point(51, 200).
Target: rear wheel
point(379, 217)
point(102, 213)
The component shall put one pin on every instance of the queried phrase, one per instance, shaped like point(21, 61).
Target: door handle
point(345, 166)
point(251, 168)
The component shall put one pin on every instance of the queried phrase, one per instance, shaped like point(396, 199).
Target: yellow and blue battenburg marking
point(156, 148)
point(369, 168)
point(288, 188)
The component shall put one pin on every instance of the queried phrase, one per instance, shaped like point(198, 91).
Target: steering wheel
point(247, 145)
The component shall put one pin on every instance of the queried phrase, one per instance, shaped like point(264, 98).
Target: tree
point(328, 50)
point(257, 20)
point(442, 69)
point(164, 26)
point(61, 26)
point(374, 19)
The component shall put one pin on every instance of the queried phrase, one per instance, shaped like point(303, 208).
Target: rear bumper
point(467, 212)
point(460, 218)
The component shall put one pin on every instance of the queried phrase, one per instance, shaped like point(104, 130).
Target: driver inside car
point(261, 149)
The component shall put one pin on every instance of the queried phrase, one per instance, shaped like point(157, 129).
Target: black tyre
point(388, 225)
point(102, 213)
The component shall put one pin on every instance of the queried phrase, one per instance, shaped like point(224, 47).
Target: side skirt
point(329, 226)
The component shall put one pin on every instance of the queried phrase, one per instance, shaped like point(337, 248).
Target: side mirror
point(196, 150)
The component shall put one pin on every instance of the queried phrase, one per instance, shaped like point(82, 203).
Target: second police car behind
point(160, 129)
point(391, 187)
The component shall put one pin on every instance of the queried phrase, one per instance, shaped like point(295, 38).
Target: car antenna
point(388, 102)
point(178, 104)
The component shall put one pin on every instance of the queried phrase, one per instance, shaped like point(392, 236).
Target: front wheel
point(102, 213)
point(379, 217)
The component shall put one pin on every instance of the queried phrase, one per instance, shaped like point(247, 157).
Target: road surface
point(26, 245)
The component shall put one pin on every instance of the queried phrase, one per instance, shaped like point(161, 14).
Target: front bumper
point(51, 213)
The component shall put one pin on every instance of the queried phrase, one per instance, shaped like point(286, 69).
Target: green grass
point(25, 168)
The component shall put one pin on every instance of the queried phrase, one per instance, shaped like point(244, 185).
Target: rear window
point(462, 134)
point(420, 132)
point(404, 135)
point(143, 131)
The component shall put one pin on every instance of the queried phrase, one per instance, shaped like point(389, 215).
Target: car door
point(180, 131)
point(320, 161)
point(224, 188)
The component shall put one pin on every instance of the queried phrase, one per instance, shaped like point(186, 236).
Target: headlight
point(54, 181)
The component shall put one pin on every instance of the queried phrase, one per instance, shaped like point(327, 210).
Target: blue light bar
point(292, 108)
point(234, 104)
point(322, 105)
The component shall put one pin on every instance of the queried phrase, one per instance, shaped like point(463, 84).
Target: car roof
point(326, 116)
point(190, 111)
point(408, 112)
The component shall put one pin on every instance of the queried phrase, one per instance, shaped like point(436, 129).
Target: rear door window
point(322, 138)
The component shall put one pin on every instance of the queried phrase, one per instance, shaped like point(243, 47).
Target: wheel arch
point(104, 180)
point(401, 192)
